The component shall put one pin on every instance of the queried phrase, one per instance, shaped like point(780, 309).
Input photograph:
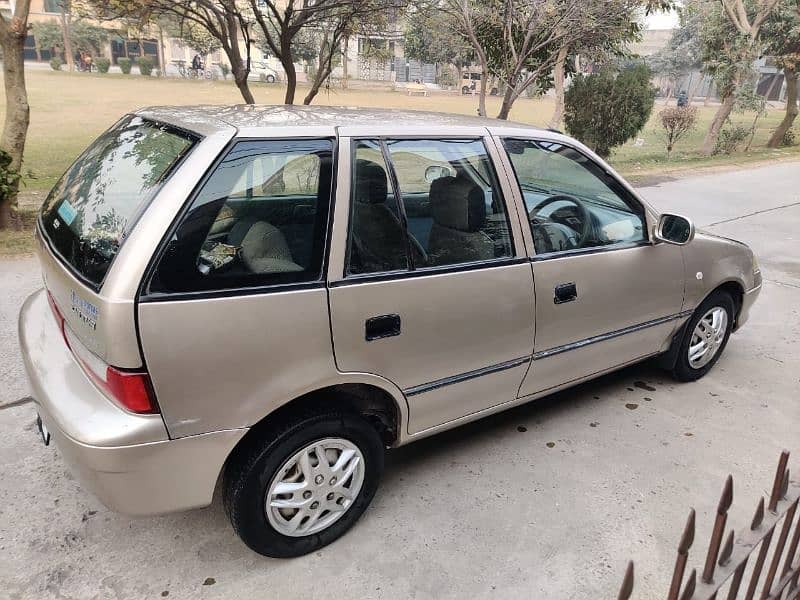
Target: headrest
point(458, 203)
point(370, 182)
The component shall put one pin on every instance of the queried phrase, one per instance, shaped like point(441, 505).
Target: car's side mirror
point(674, 229)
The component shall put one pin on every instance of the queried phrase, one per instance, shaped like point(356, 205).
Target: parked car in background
point(273, 295)
point(261, 71)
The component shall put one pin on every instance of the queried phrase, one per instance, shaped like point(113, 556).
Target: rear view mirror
point(674, 229)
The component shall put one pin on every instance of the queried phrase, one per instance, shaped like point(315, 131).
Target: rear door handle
point(382, 326)
point(565, 292)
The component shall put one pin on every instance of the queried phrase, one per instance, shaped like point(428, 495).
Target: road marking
point(14, 403)
point(752, 214)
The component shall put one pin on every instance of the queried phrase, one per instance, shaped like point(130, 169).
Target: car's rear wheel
point(270, 78)
point(302, 485)
point(705, 338)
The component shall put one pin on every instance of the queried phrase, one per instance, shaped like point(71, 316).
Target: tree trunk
point(240, 78)
point(15, 129)
point(790, 74)
point(323, 70)
point(508, 101)
point(345, 46)
point(558, 86)
point(723, 112)
point(69, 58)
point(288, 67)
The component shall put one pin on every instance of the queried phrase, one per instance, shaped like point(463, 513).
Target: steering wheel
point(585, 218)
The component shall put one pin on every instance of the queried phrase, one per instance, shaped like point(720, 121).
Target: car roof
point(209, 119)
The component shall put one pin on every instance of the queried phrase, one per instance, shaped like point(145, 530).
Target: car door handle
point(383, 326)
point(565, 292)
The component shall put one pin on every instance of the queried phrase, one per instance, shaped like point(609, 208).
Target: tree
point(782, 38)
point(332, 21)
point(429, 37)
point(89, 38)
point(225, 20)
point(13, 31)
point(731, 38)
point(65, 16)
point(48, 35)
point(605, 109)
point(683, 53)
point(198, 39)
point(601, 32)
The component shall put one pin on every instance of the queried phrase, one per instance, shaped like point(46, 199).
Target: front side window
point(571, 202)
point(260, 219)
point(93, 207)
point(450, 210)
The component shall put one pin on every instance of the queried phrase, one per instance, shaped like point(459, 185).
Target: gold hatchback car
point(267, 297)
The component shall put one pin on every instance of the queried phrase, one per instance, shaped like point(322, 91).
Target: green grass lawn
point(68, 110)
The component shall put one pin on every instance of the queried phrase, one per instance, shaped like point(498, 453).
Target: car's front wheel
point(706, 336)
point(300, 486)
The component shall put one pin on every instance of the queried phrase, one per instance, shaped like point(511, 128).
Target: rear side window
point(443, 206)
point(260, 219)
point(93, 207)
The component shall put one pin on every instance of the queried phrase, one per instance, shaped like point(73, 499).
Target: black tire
point(250, 471)
point(270, 78)
point(683, 370)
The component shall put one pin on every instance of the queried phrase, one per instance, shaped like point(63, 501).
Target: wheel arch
point(371, 396)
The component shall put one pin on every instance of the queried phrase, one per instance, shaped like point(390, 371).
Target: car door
point(429, 284)
point(606, 295)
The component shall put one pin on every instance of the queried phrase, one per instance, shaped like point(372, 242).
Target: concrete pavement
point(547, 500)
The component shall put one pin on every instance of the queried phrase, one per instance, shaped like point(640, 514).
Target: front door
point(605, 295)
point(435, 293)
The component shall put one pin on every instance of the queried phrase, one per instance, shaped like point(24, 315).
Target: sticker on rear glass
point(67, 212)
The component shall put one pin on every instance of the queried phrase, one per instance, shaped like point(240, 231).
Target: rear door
point(429, 283)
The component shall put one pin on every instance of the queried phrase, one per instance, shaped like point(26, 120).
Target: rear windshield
point(95, 204)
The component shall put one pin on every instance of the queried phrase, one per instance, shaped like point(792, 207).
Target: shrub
point(103, 64)
point(605, 109)
point(55, 63)
point(789, 138)
point(677, 122)
point(730, 138)
point(125, 65)
point(145, 65)
point(225, 70)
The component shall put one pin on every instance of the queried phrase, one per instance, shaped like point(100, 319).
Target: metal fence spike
point(726, 499)
point(778, 552)
point(721, 519)
point(777, 484)
point(738, 575)
point(727, 550)
point(691, 584)
point(759, 516)
point(627, 583)
point(792, 551)
point(687, 539)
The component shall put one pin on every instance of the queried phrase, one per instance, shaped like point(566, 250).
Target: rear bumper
point(126, 460)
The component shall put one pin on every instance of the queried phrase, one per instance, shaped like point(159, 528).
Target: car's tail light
point(131, 389)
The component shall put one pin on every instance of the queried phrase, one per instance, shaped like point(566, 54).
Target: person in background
point(197, 64)
point(683, 99)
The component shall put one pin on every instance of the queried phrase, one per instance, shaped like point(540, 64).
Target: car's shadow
point(540, 410)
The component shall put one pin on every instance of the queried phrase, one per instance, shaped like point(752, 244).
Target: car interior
point(571, 204)
point(453, 218)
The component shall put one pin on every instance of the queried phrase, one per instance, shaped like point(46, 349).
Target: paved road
point(489, 510)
